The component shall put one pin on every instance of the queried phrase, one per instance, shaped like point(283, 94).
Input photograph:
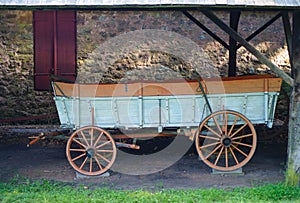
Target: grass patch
point(23, 190)
point(292, 178)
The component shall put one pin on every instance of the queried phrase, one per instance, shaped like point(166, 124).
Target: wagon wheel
point(91, 151)
point(226, 140)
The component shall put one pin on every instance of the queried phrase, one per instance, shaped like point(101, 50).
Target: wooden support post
point(249, 47)
point(294, 119)
point(288, 36)
point(234, 21)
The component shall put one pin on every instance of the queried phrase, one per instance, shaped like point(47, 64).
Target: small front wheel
point(226, 140)
point(91, 151)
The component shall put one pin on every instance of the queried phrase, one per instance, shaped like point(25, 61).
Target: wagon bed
point(165, 104)
point(221, 110)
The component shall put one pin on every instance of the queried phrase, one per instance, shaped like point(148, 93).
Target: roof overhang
point(152, 4)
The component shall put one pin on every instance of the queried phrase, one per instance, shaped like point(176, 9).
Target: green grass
point(292, 178)
point(23, 190)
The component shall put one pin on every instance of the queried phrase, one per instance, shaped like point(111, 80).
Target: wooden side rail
point(229, 85)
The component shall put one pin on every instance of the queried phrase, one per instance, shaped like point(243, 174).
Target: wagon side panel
point(152, 112)
point(126, 111)
point(103, 116)
point(182, 111)
point(255, 108)
point(64, 110)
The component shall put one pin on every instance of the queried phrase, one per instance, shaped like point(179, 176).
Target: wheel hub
point(226, 141)
point(90, 153)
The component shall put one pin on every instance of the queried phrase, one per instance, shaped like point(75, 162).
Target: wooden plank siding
point(240, 84)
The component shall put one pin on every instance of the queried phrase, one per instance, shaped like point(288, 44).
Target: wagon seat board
point(173, 103)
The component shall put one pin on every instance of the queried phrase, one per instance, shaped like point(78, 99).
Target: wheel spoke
point(99, 137)
point(102, 157)
point(84, 138)
point(213, 152)
point(77, 150)
point(236, 160)
point(225, 126)
point(211, 130)
point(91, 165)
point(101, 168)
point(208, 137)
point(78, 157)
point(234, 122)
point(242, 136)
point(241, 128)
point(78, 142)
point(218, 157)
point(103, 144)
point(83, 163)
point(92, 135)
point(209, 145)
point(217, 124)
point(240, 151)
point(243, 144)
point(226, 157)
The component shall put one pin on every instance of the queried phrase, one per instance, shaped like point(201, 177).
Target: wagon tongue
point(131, 146)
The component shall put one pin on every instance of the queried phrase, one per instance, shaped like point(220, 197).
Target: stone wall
point(17, 96)
point(98, 29)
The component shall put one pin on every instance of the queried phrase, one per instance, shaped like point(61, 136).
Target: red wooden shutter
point(43, 48)
point(66, 45)
point(54, 46)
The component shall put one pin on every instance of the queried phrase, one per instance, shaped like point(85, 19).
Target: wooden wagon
point(218, 114)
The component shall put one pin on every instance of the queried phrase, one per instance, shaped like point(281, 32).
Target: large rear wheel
point(226, 140)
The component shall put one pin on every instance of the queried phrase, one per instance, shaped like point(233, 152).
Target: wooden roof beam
point(262, 28)
point(203, 27)
point(263, 59)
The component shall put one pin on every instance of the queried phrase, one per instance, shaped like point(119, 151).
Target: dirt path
point(48, 161)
